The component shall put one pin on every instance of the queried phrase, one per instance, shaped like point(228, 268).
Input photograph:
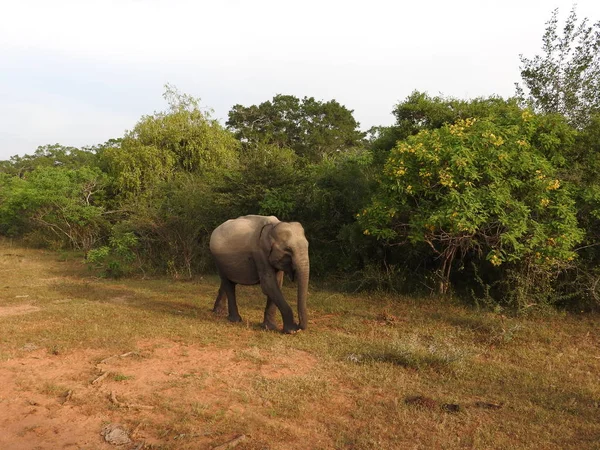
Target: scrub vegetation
point(455, 279)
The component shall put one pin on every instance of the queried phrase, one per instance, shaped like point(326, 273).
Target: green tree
point(419, 111)
point(565, 79)
point(327, 201)
point(311, 128)
point(183, 139)
point(478, 188)
point(55, 155)
point(173, 223)
point(55, 204)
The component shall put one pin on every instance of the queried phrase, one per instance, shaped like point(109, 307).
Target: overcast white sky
point(81, 72)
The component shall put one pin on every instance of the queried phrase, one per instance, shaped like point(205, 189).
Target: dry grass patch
point(372, 371)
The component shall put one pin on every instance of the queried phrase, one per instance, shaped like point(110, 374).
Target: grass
point(349, 381)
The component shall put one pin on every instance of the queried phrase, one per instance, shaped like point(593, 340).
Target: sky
point(80, 72)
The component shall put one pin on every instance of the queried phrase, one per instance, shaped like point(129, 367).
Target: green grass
point(343, 383)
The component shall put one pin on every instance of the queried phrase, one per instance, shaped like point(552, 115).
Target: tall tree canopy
point(565, 79)
point(311, 128)
point(184, 138)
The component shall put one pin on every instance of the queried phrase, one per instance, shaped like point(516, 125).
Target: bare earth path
point(89, 363)
point(52, 399)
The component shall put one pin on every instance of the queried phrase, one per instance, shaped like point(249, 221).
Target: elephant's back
point(239, 235)
point(233, 243)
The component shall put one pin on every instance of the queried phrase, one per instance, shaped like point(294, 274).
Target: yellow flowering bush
point(477, 187)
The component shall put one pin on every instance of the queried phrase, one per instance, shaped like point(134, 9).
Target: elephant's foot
point(268, 325)
point(218, 311)
point(234, 318)
point(291, 329)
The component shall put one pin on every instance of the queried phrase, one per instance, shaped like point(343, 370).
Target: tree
point(182, 139)
point(419, 111)
point(59, 204)
point(54, 155)
point(311, 128)
point(173, 222)
point(565, 79)
point(480, 188)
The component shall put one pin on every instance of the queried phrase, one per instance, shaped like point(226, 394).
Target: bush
point(476, 189)
point(115, 259)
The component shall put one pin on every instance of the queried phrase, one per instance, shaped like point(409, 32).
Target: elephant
point(257, 249)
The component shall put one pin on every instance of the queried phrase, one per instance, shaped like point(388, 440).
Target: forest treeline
point(495, 200)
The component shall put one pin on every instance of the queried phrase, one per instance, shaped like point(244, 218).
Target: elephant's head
point(288, 251)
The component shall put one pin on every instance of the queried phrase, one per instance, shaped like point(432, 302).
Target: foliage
point(173, 223)
point(479, 193)
point(419, 111)
point(266, 183)
point(309, 127)
point(115, 259)
point(477, 188)
point(55, 204)
point(49, 156)
point(565, 79)
point(335, 189)
point(184, 138)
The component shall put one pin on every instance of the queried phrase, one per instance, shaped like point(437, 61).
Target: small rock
point(115, 434)
point(487, 405)
point(451, 407)
point(421, 402)
point(354, 358)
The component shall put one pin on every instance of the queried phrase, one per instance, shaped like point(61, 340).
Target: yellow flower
point(366, 232)
point(544, 202)
point(553, 185)
point(446, 179)
point(497, 141)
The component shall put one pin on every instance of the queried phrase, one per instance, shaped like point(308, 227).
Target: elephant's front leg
point(271, 309)
point(270, 287)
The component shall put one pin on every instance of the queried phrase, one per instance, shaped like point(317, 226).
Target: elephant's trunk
point(302, 276)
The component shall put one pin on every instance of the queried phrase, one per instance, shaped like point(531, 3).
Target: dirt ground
point(88, 363)
point(65, 401)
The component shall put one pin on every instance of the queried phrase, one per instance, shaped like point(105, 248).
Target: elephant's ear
point(266, 240)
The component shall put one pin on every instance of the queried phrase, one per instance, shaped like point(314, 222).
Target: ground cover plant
point(81, 354)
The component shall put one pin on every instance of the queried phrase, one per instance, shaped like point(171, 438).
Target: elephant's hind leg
point(229, 288)
point(219, 307)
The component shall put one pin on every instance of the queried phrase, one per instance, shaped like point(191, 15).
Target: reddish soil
point(51, 401)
